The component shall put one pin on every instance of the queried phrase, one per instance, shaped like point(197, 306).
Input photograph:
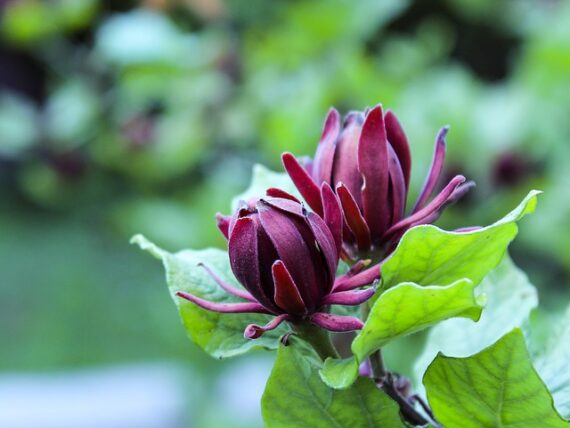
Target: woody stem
point(385, 380)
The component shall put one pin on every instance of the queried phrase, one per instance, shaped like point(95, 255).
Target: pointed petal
point(244, 260)
point(287, 294)
point(435, 170)
point(397, 187)
point(349, 298)
point(430, 209)
point(324, 157)
point(373, 165)
point(278, 193)
point(337, 323)
point(225, 308)
point(228, 287)
point(399, 142)
point(223, 222)
point(359, 280)
point(294, 243)
point(354, 218)
point(345, 166)
point(325, 245)
point(332, 214)
point(303, 181)
point(253, 331)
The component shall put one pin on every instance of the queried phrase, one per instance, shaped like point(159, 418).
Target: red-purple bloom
point(286, 259)
point(367, 161)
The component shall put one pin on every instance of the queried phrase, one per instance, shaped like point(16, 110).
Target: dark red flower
point(286, 258)
point(367, 161)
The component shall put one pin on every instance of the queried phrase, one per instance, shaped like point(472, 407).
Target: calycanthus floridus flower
point(367, 161)
point(286, 258)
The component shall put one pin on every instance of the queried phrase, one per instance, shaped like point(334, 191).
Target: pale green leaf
point(428, 255)
point(261, 180)
point(554, 365)
point(339, 373)
point(296, 397)
point(220, 335)
point(497, 387)
point(510, 299)
point(408, 308)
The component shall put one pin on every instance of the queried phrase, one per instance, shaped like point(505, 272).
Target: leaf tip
point(144, 244)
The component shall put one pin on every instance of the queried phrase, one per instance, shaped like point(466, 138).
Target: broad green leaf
point(402, 310)
point(220, 335)
point(339, 373)
point(261, 180)
point(497, 387)
point(428, 255)
point(510, 299)
point(554, 365)
point(296, 397)
point(408, 308)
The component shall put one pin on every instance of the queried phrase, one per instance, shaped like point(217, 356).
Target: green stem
point(317, 337)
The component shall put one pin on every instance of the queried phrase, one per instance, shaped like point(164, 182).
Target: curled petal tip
point(253, 331)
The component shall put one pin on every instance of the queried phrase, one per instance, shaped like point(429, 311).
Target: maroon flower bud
point(367, 161)
point(286, 258)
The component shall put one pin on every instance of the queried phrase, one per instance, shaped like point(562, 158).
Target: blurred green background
point(120, 117)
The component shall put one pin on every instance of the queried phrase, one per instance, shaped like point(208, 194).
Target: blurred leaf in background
point(125, 117)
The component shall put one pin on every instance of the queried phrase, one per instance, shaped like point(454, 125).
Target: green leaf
point(554, 365)
point(261, 180)
point(497, 387)
point(408, 308)
point(220, 335)
point(296, 397)
point(510, 299)
point(428, 255)
point(339, 374)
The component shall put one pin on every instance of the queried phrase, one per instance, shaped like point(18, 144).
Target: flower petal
point(253, 331)
point(294, 242)
point(244, 260)
point(287, 294)
point(223, 222)
point(434, 171)
point(325, 245)
point(345, 167)
point(397, 191)
point(303, 181)
point(398, 140)
point(337, 323)
point(349, 298)
point(373, 165)
point(354, 219)
point(359, 280)
point(225, 308)
point(332, 214)
point(324, 156)
point(429, 210)
point(274, 192)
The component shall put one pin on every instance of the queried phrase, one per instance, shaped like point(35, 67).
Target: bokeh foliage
point(125, 117)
